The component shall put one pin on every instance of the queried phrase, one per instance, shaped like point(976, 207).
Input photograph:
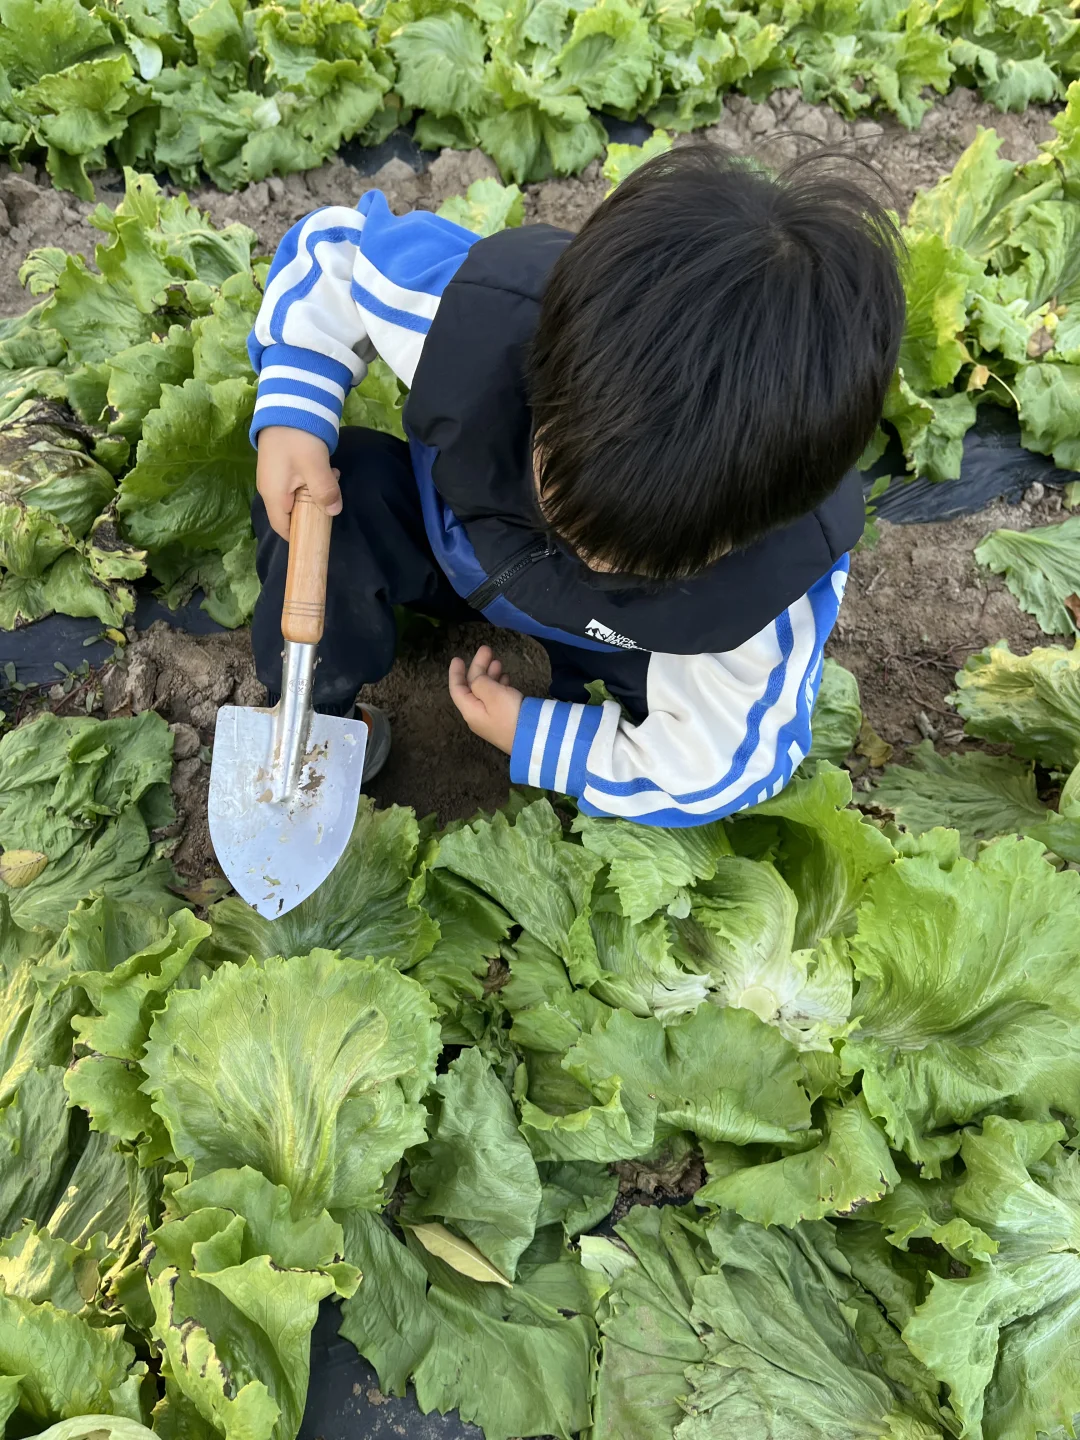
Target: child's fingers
point(504, 679)
point(323, 487)
point(480, 662)
point(460, 691)
point(494, 670)
point(486, 691)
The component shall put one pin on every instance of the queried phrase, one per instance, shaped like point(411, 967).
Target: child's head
point(712, 356)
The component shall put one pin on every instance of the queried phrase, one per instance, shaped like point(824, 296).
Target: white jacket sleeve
point(345, 286)
point(723, 731)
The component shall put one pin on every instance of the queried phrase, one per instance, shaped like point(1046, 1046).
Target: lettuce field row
point(848, 1039)
point(240, 90)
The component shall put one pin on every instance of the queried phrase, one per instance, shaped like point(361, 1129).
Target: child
point(635, 444)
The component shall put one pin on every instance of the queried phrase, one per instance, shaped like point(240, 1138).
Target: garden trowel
point(285, 782)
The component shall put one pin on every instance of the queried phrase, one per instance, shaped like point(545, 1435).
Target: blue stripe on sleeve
point(524, 738)
point(296, 420)
point(332, 235)
point(591, 716)
point(403, 319)
point(553, 744)
point(312, 360)
point(298, 387)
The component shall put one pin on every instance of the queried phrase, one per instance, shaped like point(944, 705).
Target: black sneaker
point(378, 745)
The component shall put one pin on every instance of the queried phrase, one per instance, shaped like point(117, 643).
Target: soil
point(916, 604)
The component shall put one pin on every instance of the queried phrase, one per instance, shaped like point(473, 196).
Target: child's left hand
point(485, 697)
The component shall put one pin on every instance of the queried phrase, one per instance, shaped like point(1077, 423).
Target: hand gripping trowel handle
point(301, 628)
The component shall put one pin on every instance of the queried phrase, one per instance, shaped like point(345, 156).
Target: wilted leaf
point(19, 867)
point(457, 1253)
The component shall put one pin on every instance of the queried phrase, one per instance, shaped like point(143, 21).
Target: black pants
point(379, 557)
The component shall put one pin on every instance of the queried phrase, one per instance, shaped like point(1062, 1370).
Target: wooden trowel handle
point(305, 582)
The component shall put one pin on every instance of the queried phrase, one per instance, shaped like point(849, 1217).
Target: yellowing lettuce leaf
point(1032, 701)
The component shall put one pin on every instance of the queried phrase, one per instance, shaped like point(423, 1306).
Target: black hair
point(712, 357)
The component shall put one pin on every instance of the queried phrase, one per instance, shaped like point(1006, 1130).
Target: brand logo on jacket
point(611, 637)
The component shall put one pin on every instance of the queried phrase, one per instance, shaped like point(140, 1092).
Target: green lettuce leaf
point(195, 475)
point(938, 278)
point(33, 1148)
point(740, 934)
point(650, 1340)
point(719, 1073)
point(235, 1284)
point(508, 1362)
point(126, 989)
point(63, 1366)
point(1003, 1337)
point(782, 1321)
point(639, 969)
point(440, 63)
point(74, 791)
point(824, 851)
point(849, 1167)
point(43, 1268)
point(542, 880)
point(967, 988)
point(651, 868)
point(475, 1171)
point(33, 1030)
point(38, 37)
point(622, 160)
point(1048, 398)
point(309, 1069)
point(981, 796)
point(486, 207)
point(837, 715)
point(1041, 567)
point(577, 1195)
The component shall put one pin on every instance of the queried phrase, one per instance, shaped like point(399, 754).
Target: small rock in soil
point(186, 741)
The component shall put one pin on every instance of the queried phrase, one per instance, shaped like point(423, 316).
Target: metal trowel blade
point(276, 854)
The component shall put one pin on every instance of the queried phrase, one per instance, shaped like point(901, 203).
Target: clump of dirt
point(782, 127)
point(917, 605)
point(32, 215)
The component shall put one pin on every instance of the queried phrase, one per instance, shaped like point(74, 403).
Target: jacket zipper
point(520, 561)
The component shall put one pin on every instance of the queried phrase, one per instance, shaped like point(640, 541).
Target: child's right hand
point(288, 460)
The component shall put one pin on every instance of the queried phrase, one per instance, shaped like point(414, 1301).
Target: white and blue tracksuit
point(717, 676)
